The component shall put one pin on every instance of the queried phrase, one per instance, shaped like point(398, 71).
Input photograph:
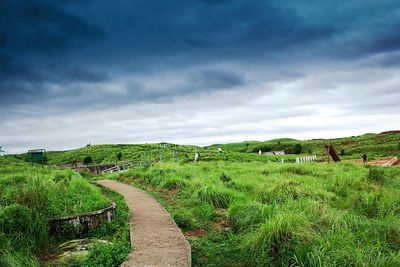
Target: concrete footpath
point(156, 239)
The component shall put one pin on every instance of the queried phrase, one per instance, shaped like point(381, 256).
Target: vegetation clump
point(375, 175)
point(224, 178)
point(29, 197)
point(216, 196)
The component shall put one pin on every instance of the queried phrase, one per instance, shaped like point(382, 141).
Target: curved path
point(156, 239)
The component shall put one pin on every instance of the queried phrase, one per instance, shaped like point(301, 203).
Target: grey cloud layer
point(45, 42)
point(81, 57)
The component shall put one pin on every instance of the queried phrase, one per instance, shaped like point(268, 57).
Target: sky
point(195, 71)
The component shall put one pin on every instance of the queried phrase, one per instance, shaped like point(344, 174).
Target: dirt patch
point(196, 233)
point(221, 225)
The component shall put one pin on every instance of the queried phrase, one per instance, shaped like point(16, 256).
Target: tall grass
point(29, 197)
point(272, 214)
point(214, 195)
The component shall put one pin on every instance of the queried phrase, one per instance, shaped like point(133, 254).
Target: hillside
point(375, 145)
point(237, 208)
point(269, 214)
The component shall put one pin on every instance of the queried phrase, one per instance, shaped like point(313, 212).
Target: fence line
point(306, 159)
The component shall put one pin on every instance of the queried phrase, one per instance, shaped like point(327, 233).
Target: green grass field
point(238, 208)
point(271, 214)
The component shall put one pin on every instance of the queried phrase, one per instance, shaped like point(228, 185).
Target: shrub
point(87, 160)
point(297, 149)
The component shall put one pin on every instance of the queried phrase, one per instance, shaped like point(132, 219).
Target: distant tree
point(88, 145)
point(297, 149)
point(247, 146)
point(87, 160)
point(119, 156)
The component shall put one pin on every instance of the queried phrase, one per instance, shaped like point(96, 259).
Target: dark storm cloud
point(75, 53)
point(42, 27)
point(32, 35)
point(389, 60)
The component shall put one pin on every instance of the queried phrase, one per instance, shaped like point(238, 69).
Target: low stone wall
point(80, 225)
point(94, 169)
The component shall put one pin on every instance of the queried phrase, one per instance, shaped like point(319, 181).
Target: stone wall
point(78, 166)
point(80, 225)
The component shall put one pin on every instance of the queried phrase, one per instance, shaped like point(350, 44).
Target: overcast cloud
point(195, 71)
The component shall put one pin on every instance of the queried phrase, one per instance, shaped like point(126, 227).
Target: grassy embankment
point(30, 196)
point(257, 214)
point(242, 210)
point(375, 145)
point(104, 154)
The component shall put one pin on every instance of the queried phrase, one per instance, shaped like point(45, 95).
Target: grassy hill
point(375, 145)
point(269, 214)
point(238, 208)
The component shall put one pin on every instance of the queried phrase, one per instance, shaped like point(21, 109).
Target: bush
point(297, 149)
point(87, 160)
